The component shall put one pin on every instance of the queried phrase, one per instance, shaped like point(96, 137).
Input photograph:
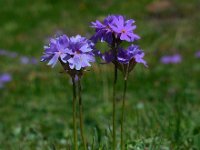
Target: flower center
point(123, 31)
point(59, 53)
point(78, 52)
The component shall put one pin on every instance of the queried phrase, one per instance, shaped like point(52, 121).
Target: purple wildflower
point(57, 49)
point(124, 56)
point(8, 54)
point(28, 60)
point(197, 54)
point(4, 78)
point(132, 52)
point(76, 52)
point(24, 60)
point(124, 29)
point(108, 56)
point(80, 49)
point(103, 30)
point(34, 61)
point(114, 25)
point(171, 59)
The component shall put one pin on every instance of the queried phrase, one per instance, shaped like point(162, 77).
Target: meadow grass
point(162, 104)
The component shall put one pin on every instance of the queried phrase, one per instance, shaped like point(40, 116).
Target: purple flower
point(57, 49)
point(125, 56)
point(134, 53)
point(4, 78)
point(124, 29)
point(81, 52)
point(171, 59)
point(24, 60)
point(114, 25)
point(108, 56)
point(76, 52)
point(8, 54)
point(103, 30)
point(34, 61)
point(197, 54)
point(28, 60)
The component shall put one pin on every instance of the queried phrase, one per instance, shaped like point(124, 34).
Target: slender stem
point(74, 114)
point(123, 107)
point(114, 109)
point(114, 47)
point(81, 114)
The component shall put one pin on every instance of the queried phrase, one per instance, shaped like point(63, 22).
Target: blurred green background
point(36, 106)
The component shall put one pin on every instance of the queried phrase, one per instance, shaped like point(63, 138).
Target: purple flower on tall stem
point(114, 30)
point(74, 54)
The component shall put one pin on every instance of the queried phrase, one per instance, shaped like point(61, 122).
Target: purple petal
point(53, 60)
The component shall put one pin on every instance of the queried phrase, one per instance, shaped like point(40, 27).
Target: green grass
point(36, 107)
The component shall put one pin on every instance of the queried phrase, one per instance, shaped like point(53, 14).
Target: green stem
point(81, 114)
point(114, 114)
point(74, 114)
point(114, 46)
point(123, 107)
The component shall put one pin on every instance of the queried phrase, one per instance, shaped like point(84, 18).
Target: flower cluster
point(124, 56)
point(76, 52)
point(114, 30)
point(132, 55)
point(114, 26)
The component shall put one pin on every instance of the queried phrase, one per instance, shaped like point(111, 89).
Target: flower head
point(75, 52)
point(81, 52)
point(132, 52)
point(56, 49)
point(103, 30)
point(125, 56)
point(124, 29)
point(114, 25)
